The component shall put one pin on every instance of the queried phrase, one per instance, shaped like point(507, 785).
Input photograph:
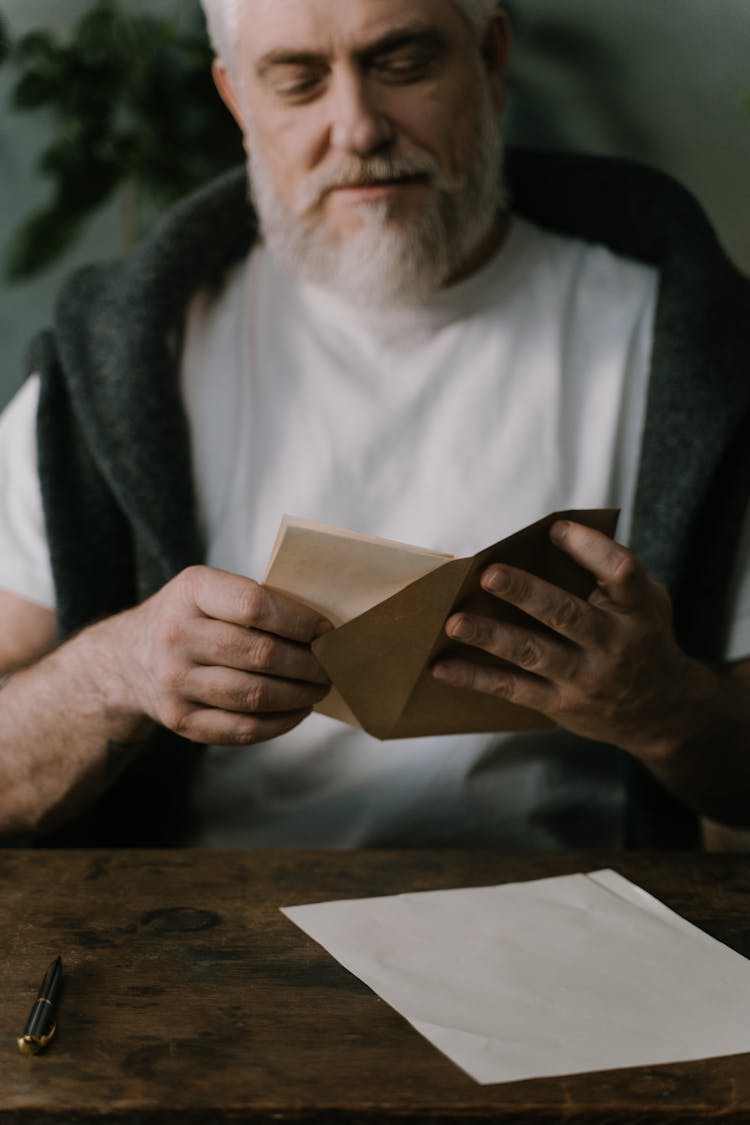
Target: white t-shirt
point(450, 425)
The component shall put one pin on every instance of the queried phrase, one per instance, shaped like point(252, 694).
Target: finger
point(241, 601)
point(509, 684)
point(250, 650)
point(540, 655)
point(564, 613)
point(225, 728)
point(249, 694)
point(617, 570)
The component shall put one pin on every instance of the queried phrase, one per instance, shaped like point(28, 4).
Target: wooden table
point(190, 998)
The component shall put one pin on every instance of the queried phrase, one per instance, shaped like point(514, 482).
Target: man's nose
point(358, 124)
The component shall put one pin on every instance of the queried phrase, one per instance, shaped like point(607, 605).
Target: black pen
point(42, 1022)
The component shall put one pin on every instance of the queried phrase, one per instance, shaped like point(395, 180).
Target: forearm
point(212, 656)
point(703, 754)
point(68, 725)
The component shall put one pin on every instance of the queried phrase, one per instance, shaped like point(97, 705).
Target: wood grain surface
point(189, 998)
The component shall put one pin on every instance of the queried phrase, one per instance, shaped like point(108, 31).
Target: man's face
point(370, 130)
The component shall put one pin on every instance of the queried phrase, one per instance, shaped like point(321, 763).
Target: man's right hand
point(219, 658)
point(213, 656)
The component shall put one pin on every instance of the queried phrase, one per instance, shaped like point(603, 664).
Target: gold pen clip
point(28, 1045)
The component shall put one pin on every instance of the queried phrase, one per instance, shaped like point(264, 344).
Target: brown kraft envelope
point(379, 662)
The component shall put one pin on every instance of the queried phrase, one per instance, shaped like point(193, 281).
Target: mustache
point(355, 171)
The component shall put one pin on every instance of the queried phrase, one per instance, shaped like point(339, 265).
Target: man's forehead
point(325, 25)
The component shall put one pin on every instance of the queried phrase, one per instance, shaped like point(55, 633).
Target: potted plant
point(136, 117)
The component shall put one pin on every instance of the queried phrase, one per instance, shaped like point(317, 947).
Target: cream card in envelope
point(389, 603)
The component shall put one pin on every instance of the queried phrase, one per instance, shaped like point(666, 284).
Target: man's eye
point(407, 68)
point(299, 87)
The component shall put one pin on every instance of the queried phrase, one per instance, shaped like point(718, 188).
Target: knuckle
point(261, 651)
point(505, 686)
point(567, 707)
point(620, 660)
point(530, 654)
point(257, 730)
point(627, 566)
point(191, 578)
point(172, 676)
point(227, 651)
point(250, 603)
point(244, 734)
point(191, 574)
point(168, 634)
point(565, 616)
point(175, 715)
point(255, 697)
point(517, 587)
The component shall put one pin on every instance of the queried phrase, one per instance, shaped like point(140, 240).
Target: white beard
point(385, 262)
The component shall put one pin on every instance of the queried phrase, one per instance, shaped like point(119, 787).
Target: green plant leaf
point(132, 101)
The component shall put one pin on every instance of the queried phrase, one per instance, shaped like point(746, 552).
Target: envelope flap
point(375, 659)
point(380, 661)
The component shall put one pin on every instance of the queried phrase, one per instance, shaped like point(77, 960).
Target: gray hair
point(222, 18)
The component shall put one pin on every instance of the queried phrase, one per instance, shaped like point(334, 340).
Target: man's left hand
point(608, 668)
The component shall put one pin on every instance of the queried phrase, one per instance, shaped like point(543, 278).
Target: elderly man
point(396, 352)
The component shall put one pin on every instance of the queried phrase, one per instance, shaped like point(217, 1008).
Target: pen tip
point(26, 1047)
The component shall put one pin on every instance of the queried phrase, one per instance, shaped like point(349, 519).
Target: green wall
point(659, 80)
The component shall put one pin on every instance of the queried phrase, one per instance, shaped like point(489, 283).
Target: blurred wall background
point(663, 81)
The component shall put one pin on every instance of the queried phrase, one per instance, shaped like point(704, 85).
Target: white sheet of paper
point(554, 976)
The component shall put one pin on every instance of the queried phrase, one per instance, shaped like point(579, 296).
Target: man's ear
point(495, 54)
point(228, 92)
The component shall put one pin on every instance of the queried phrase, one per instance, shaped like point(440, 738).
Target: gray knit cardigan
point(115, 461)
